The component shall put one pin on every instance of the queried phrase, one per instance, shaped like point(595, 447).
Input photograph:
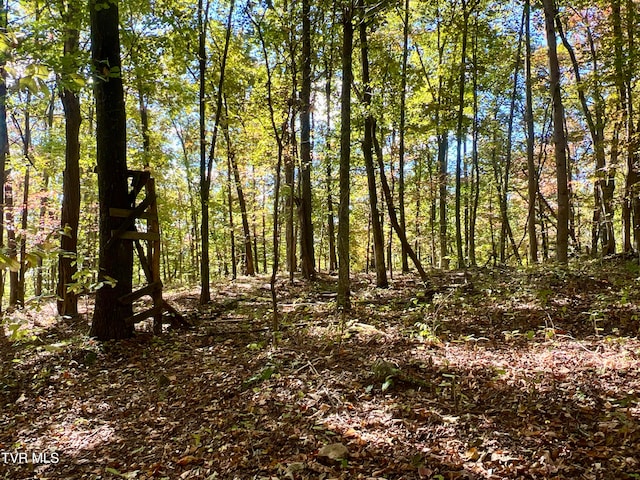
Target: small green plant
point(18, 330)
point(632, 267)
point(265, 374)
point(511, 335)
point(624, 295)
point(427, 331)
point(544, 295)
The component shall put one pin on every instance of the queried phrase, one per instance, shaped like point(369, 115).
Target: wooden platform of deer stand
point(145, 212)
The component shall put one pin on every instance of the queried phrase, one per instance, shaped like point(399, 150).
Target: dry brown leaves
point(516, 376)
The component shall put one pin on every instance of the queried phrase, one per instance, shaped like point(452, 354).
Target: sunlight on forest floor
point(519, 374)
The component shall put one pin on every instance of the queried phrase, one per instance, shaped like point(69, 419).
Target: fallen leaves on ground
point(518, 376)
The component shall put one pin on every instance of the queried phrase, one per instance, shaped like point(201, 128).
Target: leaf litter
point(528, 375)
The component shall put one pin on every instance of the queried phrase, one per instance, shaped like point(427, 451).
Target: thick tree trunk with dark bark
point(4, 137)
point(344, 294)
point(205, 269)
point(70, 216)
point(116, 257)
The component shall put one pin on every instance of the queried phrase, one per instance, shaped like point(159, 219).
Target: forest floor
point(503, 374)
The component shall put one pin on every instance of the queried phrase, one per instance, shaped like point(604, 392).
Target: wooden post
point(153, 226)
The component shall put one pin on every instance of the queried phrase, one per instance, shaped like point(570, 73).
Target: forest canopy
point(471, 133)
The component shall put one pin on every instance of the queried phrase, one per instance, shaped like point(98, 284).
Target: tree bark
point(344, 295)
point(24, 222)
point(459, 134)
point(367, 149)
point(560, 140)
point(443, 151)
point(393, 218)
point(603, 211)
point(532, 171)
point(249, 264)
point(232, 231)
point(4, 136)
point(401, 146)
point(67, 302)
point(206, 168)
point(475, 160)
point(333, 260)
point(115, 257)
point(205, 272)
point(11, 241)
point(307, 255)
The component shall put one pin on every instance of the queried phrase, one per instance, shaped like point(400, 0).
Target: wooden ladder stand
point(150, 260)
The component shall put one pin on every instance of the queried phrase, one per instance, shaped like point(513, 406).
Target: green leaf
point(78, 81)
point(10, 263)
point(267, 373)
point(387, 383)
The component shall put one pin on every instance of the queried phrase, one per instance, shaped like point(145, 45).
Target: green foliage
point(19, 329)
point(265, 374)
point(427, 331)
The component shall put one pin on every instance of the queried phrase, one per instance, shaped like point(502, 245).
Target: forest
point(287, 239)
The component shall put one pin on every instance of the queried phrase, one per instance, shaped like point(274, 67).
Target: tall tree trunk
point(254, 227)
point(290, 160)
point(278, 134)
point(344, 296)
point(367, 149)
point(475, 161)
point(44, 192)
point(532, 171)
point(69, 219)
point(232, 232)
point(632, 135)
point(331, 231)
point(12, 250)
point(401, 147)
point(205, 273)
point(560, 140)
point(144, 124)
point(263, 208)
point(194, 240)
point(24, 222)
point(603, 214)
point(443, 151)
point(249, 265)
point(503, 186)
point(622, 85)
point(459, 133)
point(206, 168)
point(393, 218)
point(4, 136)
point(307, 256)
point(116, 257)
point(290, 239)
